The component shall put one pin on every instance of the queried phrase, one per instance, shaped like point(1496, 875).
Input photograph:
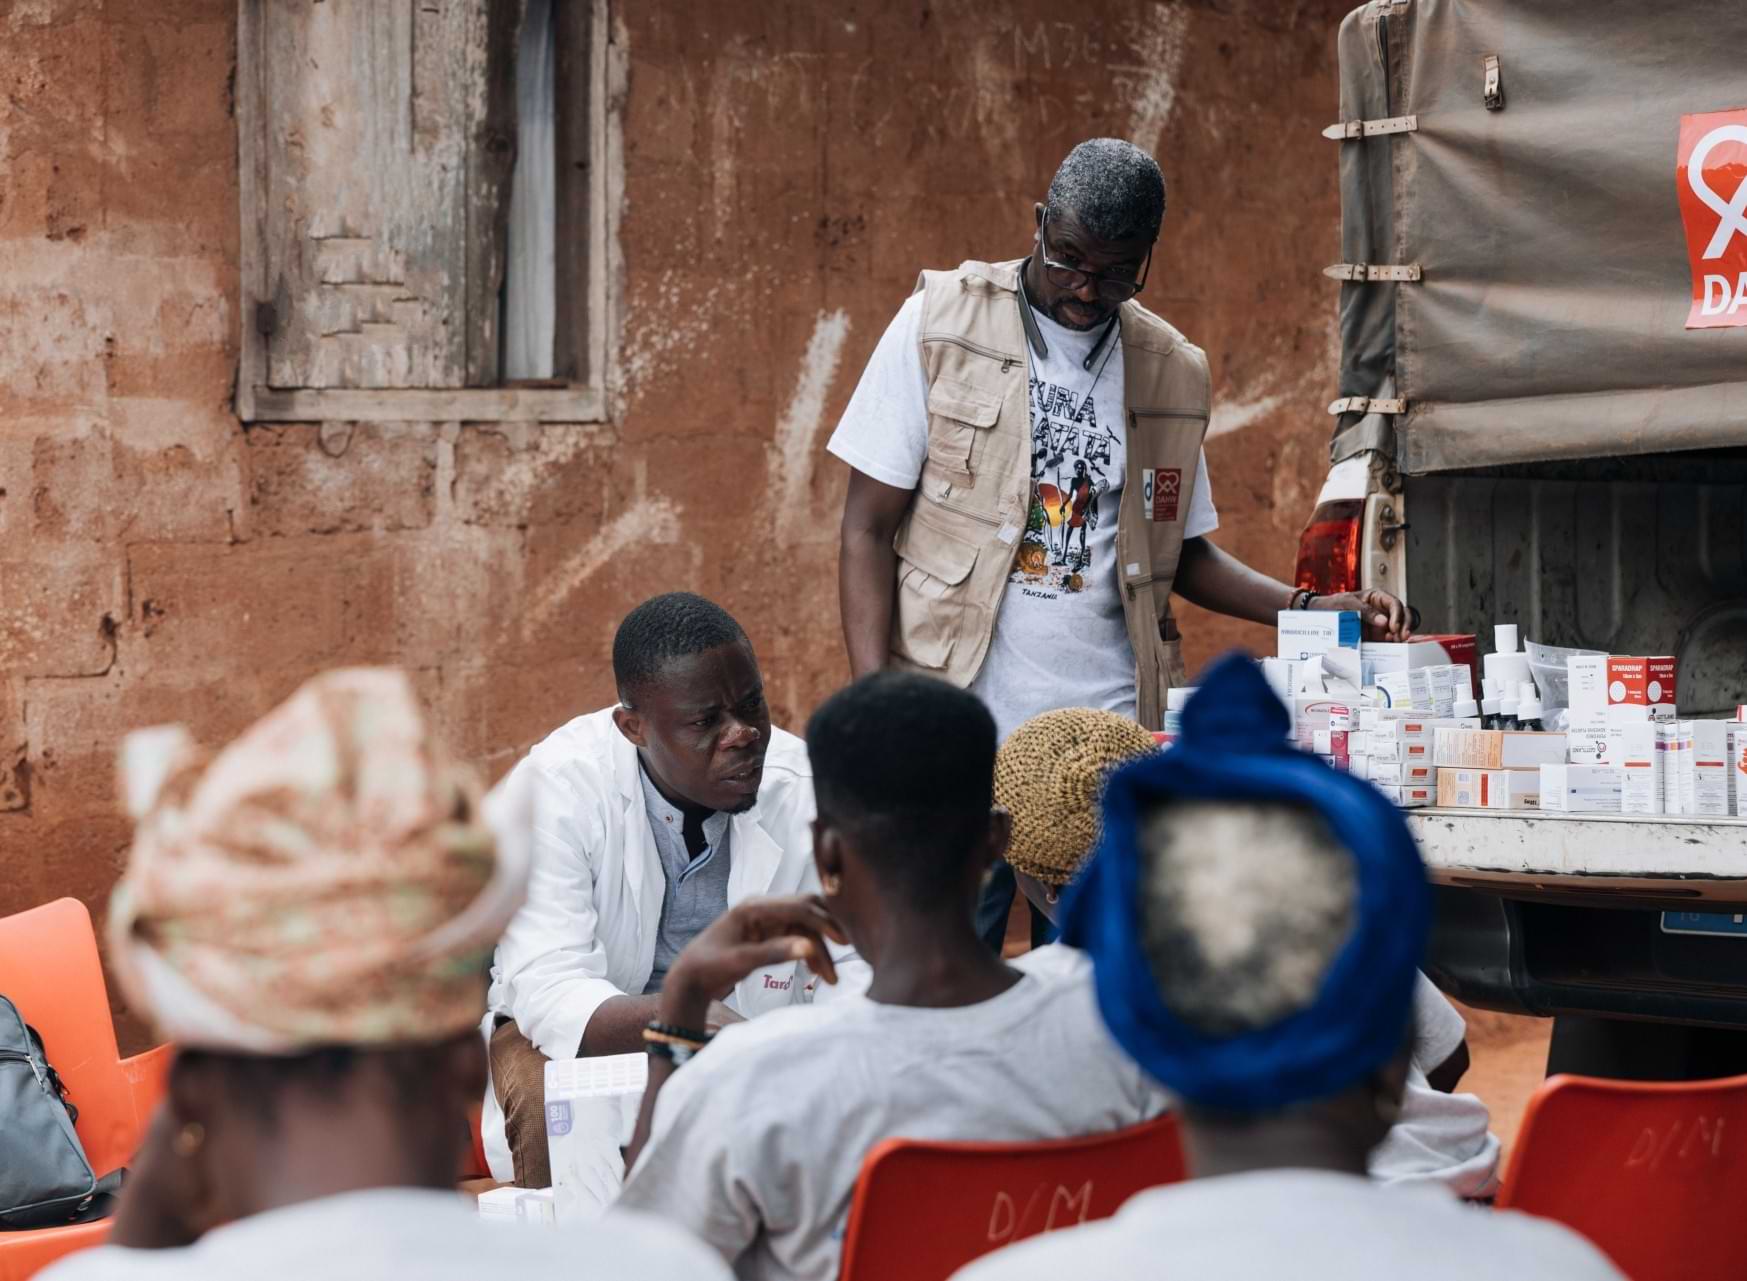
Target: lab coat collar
point(754, 855)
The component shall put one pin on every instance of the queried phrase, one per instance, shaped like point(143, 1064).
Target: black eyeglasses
point(1110, 288)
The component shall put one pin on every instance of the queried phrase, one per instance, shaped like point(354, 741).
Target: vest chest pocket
point(960, 418)
point(933, 567)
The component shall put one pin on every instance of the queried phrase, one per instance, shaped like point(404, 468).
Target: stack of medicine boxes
point(1630, 753)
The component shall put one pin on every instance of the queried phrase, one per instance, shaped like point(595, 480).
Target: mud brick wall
point(789, 165)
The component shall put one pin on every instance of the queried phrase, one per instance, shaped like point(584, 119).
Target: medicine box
point(1586, 681)
point(1711, 768)
point(1738, 768)
point(1394, 739)
point(1498, 749)
point(1306, 633)
point(591, 1109)
point(527, 1206)
point(1411, 797)
point(1632, 748)
point(1404, 773)
point(1582, 789)
point(1586, 735)
point(1489, 789)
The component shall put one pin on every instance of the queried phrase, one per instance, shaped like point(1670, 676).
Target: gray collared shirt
point(697, 888)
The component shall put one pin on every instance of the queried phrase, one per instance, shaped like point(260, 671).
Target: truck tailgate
point(1526, 854)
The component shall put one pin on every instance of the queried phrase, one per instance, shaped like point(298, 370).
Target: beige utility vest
point(957, 544)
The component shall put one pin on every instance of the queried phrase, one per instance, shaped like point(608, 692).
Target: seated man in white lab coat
point(1049, 776)
point(651, 819)
point(754, 1144)
point(1254, 919)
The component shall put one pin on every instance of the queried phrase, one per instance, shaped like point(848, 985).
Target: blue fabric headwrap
point(1233, 748)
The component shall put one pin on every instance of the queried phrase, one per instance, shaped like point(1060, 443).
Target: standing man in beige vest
point(1028, 485)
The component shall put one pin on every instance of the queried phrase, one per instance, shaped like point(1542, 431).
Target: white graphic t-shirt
point(1060, 639)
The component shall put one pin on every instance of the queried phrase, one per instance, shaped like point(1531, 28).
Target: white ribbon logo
point(1733, 212)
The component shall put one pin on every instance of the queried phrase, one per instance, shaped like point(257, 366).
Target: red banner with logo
point(1711, 180)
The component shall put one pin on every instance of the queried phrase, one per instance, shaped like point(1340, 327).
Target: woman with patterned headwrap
point(308, 917)
point(1254, 919)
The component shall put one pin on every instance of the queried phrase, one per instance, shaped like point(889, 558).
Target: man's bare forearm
point(867, 583)
point(1214, 579)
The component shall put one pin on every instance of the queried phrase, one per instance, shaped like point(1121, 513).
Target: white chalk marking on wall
point(1161, 40)
point(1229, 415)
point(794, 450)
point(650, 521)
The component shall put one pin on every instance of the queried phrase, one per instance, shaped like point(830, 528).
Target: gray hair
point(1111, 188)
point(1244, 908)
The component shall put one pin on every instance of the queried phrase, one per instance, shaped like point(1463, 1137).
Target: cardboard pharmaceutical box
point(1631, 746)
point(1453, 650)
point(591, 1110)
point(1282, 677)
point(1489, 789)
point(1314, 713)
point(1642, 682)
point(1586, 679)
point(1586, 736)
point(1738, 769)
point(1398, 739)
point(1686, 761)
point(1497, 749)
point(1711, 768)
point(1306, 633)
point(1582, 789)
point(1419, 773)
point(1659, 686)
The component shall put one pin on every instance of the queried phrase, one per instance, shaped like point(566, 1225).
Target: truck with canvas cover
point(1541, 419)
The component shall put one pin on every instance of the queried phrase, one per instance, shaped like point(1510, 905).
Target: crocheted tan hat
point(1050, 775)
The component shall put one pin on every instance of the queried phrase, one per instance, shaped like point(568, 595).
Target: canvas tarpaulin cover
point(1551, 317)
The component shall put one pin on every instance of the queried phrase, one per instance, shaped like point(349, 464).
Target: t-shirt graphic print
point(1073, 459)
point(1060, 638)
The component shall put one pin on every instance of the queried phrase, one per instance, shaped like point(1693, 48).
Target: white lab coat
point(587, 931)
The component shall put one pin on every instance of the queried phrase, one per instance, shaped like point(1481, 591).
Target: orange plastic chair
point(923, 1210)
point(50, 969)
point(1655, 1173)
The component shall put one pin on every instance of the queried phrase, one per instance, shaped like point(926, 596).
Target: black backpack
point(45, 1178)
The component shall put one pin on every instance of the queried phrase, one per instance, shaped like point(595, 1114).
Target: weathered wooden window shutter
point(378, 142)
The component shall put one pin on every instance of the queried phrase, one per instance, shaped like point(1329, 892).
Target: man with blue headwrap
point(1254, 920)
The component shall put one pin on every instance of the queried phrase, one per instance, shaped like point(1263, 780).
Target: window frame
point(256, 402)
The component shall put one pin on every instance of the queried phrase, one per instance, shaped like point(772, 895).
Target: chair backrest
point(50, 969)
point(1654, 1173)
point(923, 1210)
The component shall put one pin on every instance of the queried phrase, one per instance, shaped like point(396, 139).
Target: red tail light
point(1328, 550)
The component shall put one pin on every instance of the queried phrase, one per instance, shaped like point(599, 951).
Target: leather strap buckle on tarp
point(1491, 90)
point(1372, 272)
point(1366, 405)
point(1372, 128)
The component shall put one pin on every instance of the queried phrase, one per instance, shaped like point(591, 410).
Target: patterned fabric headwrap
point(324, 880)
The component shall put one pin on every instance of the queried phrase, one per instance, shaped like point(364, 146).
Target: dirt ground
point(1509, 1060)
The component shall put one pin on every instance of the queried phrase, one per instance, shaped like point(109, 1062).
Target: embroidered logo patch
point(1159, 492)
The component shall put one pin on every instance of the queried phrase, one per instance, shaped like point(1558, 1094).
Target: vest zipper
point(1007, 362)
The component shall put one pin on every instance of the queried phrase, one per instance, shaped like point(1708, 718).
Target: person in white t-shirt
point(1254, 918)
point(307, 918)
point(1059, 635)
point(755, 1143)
point(1049, 777)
